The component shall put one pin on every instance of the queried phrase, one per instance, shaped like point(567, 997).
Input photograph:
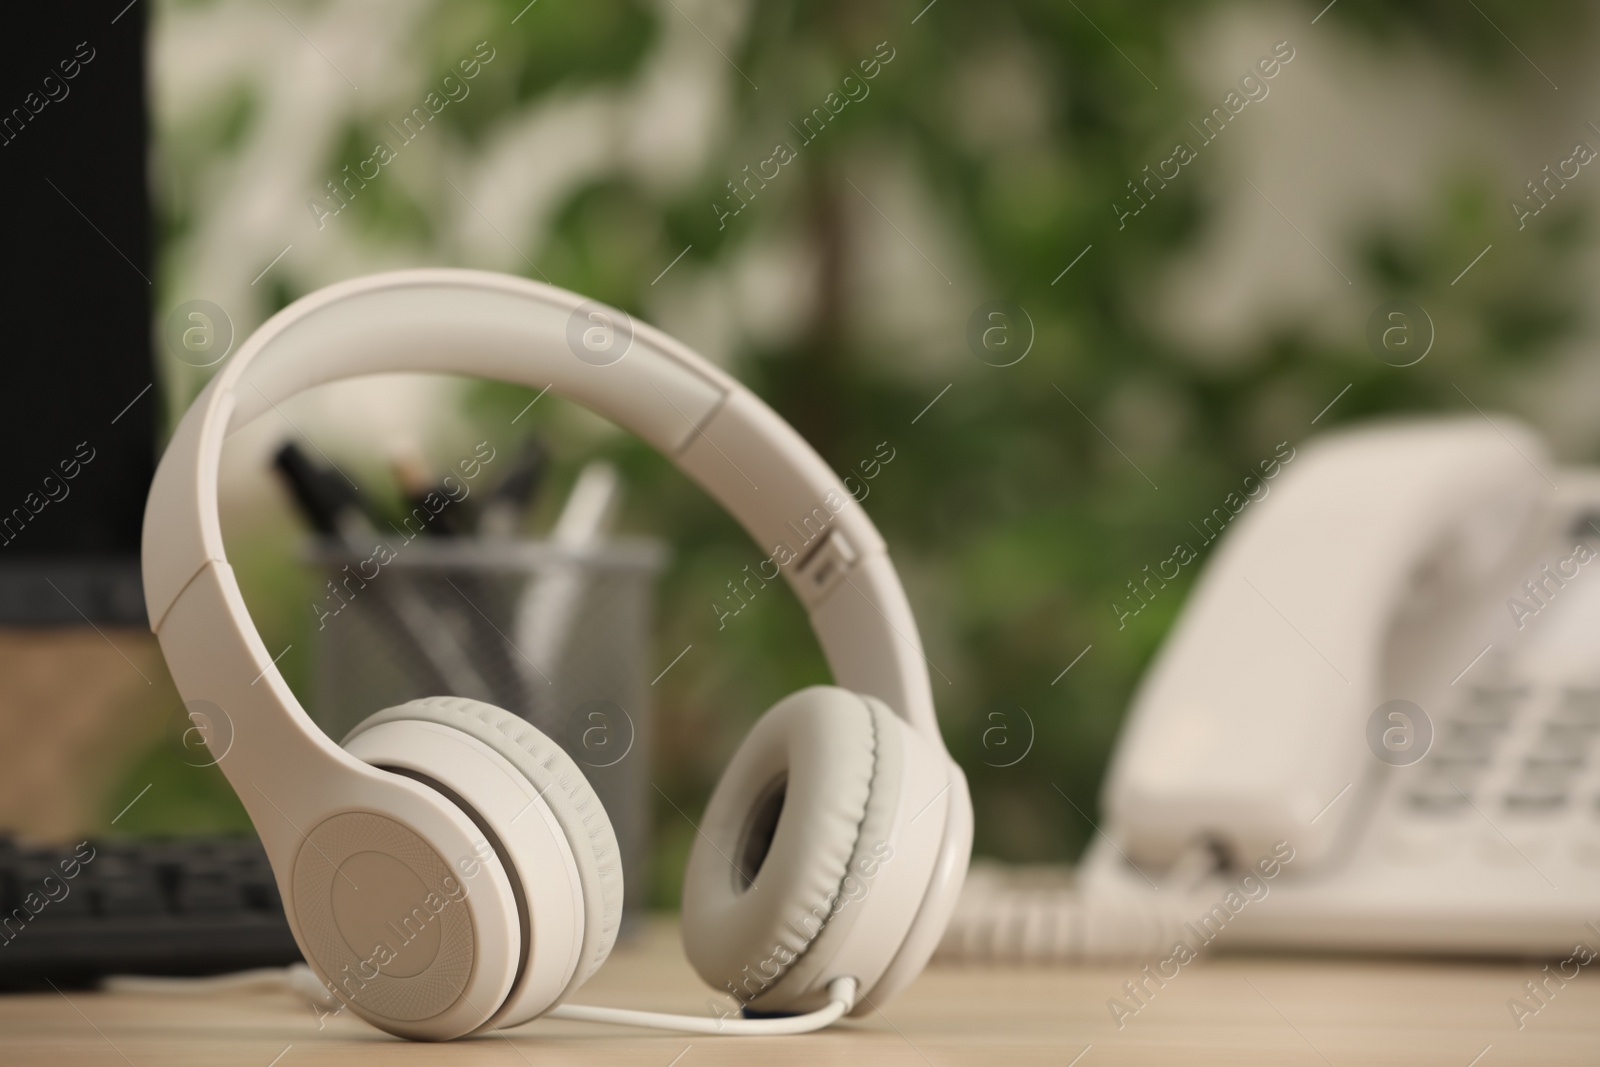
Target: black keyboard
point(74, 914)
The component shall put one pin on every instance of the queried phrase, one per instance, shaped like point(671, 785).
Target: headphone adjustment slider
point(826, 566)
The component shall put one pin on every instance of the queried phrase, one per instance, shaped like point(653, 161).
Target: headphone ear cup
point(809, 796)
point(564, 790)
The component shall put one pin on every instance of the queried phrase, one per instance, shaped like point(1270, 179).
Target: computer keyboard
point(70, 915)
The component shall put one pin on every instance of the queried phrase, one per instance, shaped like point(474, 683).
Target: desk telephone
point(1389, 672)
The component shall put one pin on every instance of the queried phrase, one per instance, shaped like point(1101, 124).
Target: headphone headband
point(494, 326)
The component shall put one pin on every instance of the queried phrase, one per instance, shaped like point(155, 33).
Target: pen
point(332, 506)
point(514, 494)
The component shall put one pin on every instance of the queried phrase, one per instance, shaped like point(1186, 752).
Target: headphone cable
point(300, 980)
point(841, 998)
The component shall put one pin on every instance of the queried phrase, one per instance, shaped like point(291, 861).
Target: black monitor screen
point(77, 427)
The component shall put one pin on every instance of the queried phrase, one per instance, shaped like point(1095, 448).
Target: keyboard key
point(1539, 789)
point(1535, 800)
point(1580, 707)
point(1495, 702)
point(208, 890)
point(1466, 744)
point(1555, 753)
point(1437, 797)
point(129, 895)
point(38, 875)
point(1546, 777)
point(1576, 738)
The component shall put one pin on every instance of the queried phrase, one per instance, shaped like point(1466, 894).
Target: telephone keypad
point(1511, 749)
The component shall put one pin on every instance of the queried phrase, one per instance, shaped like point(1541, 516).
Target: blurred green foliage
point(1014, 522)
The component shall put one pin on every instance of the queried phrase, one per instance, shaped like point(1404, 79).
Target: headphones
point(448, 868)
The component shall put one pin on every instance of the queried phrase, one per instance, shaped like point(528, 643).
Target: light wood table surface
point(1227, 1010)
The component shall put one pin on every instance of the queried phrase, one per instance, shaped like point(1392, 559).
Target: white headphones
point(449, 868)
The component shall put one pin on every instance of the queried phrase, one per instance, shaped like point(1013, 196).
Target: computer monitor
point(80, 407)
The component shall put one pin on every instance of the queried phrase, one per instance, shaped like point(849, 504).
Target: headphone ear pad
point(565, 791)
point(808, 797)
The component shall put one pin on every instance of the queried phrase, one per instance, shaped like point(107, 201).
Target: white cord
point(297, 979)
point(1043, 915)
point(841, 998)
point(300, 979)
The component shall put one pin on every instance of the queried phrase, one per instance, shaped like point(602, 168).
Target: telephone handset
point(1374, 725)
point(1251, 721)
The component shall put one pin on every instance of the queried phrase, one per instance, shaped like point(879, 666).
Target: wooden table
point(1239, 1010)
